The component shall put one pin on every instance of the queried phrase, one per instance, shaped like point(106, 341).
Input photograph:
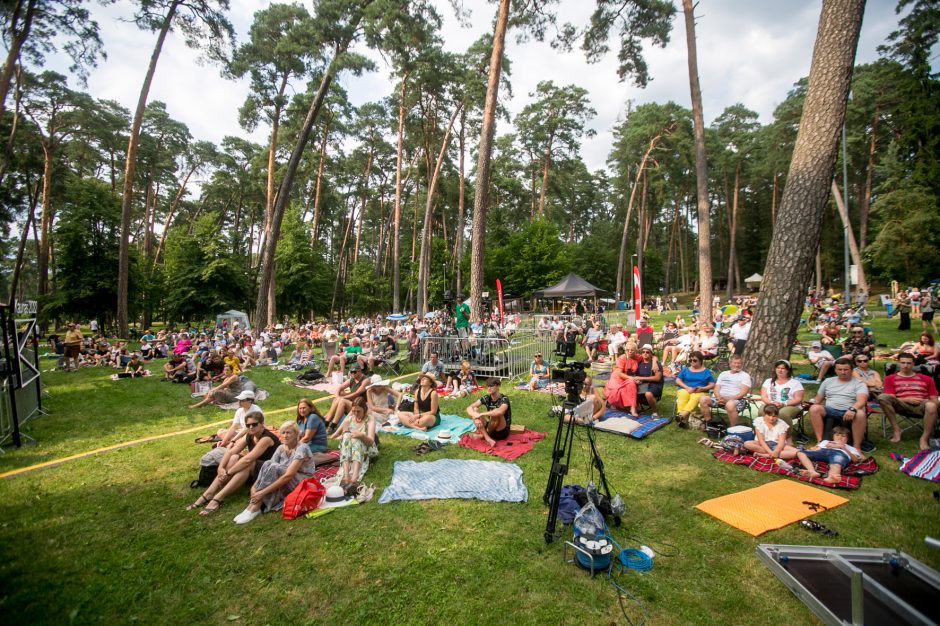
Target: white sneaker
point(246, 516)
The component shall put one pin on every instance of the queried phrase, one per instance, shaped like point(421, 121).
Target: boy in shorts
point(837, 453)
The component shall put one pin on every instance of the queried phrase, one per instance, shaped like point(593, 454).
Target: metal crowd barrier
point(496, 356)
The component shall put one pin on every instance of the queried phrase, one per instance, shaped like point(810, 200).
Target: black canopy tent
point(571, 286)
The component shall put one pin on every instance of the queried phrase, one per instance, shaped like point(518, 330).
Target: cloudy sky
point(750, 51)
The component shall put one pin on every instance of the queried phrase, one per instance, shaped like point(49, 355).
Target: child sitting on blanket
point(837, 453)
point(770, 437)
point(462, 382)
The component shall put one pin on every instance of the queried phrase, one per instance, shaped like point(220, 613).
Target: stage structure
point(19, 368)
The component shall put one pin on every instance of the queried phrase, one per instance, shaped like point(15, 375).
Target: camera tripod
point(561, 461)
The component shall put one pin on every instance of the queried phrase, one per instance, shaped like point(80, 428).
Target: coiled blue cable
point(635, 559)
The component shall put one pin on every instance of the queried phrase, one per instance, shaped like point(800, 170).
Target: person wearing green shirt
point(462, 319)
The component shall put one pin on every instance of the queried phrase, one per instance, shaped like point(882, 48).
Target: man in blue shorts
point(842, 398)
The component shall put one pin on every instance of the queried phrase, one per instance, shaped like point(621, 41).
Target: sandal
point(207, 511)
point(197, 504)
point(364, 493)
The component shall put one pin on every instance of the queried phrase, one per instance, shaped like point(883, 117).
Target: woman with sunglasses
point(235, 468)
point(694, 381)
point(291, 463)
point(540, 374)
point(870, 377)
point(783, 391)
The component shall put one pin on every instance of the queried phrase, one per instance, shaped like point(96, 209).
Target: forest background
point(377, 215)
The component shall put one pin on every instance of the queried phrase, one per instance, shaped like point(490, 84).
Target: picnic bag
point(312, 375)
point(304, 498)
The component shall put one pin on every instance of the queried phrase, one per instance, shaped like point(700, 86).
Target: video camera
point(573, 375)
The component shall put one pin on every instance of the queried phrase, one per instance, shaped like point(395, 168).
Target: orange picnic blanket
point(768, 507)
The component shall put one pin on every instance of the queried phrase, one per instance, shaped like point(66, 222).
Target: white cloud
point(749, 52)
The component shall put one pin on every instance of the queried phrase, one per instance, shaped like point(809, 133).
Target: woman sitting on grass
point(427, 413)
point(381, 400)
point(235, 468)
point(291, 463)
point(540, 374)
point(357, 445)
point(313, 431)
point(226, 391)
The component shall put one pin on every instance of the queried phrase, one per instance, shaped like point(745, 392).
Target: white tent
point(232, 317)
point(753, 281)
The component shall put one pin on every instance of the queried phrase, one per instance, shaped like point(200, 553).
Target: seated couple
point(698, 389)
point(635, 379)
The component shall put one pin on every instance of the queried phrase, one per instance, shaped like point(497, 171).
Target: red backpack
point(304, 498)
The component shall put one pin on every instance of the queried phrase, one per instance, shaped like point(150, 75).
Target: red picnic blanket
point(851, 475)
point(510, 448)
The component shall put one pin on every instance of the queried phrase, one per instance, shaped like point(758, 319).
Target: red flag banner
point(499, 299)
point(637, 301)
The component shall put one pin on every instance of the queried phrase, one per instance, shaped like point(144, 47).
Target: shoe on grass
point(246, 516)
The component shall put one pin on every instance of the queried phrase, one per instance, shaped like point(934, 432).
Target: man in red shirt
point(911, 394)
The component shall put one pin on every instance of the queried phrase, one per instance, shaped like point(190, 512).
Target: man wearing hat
point(246, 405)
point(821, 359)
point(353, 387)
point(858, 343)
point(491, 414)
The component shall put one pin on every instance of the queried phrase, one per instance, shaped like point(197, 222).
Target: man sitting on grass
point(912, 394)
point(837, 453)
point(354, 387)
point(841, 398)
point(494, 421)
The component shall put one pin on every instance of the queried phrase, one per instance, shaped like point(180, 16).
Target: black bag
point(406, 404)
point(312, 375)
point(207, 474)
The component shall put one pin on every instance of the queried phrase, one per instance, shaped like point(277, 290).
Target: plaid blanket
point(325, 472)
point(557, 388)
point(851, 475)
point(925, 464)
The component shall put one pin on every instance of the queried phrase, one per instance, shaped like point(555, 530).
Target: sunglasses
point(694, 361)
point(861, 360)
point(251, 424)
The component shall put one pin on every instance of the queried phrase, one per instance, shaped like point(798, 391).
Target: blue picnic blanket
point(648, 424)
point(457, 426)
point(449, 478)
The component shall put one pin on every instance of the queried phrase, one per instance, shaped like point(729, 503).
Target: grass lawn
point(104, 539)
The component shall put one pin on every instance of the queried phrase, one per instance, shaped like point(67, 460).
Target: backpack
point(207, 474)
point(311, 375)
point(304, 498)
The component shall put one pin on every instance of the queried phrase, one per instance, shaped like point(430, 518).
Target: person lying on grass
point(837, 453)
point(357, 444)
point(291, 463)
point(770, 436)
point(258, 445)
point(494, 422)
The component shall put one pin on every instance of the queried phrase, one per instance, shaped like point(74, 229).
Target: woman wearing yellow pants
point(693, 381)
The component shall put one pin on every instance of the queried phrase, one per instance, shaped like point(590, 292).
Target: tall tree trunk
point(45, 227)
point(461, 216)
point(482, 192)
point(18, 265)
point(130, 166)
point(732, 235)
point(314, 232)
point(545, 167)
point(809, 182)
point(21, 21)
point(396, 215)
point(169, 218)
point(263, 313)
point(622, 258)
point(819, 279)
point(365, 200)
point(424, 271)
point(641, 227)
point(853, 246)
point(773, 205)
point(701, 171)
point(865, 204)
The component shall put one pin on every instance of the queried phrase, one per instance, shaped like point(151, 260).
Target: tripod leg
point(599, 464)
point(558, 471)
